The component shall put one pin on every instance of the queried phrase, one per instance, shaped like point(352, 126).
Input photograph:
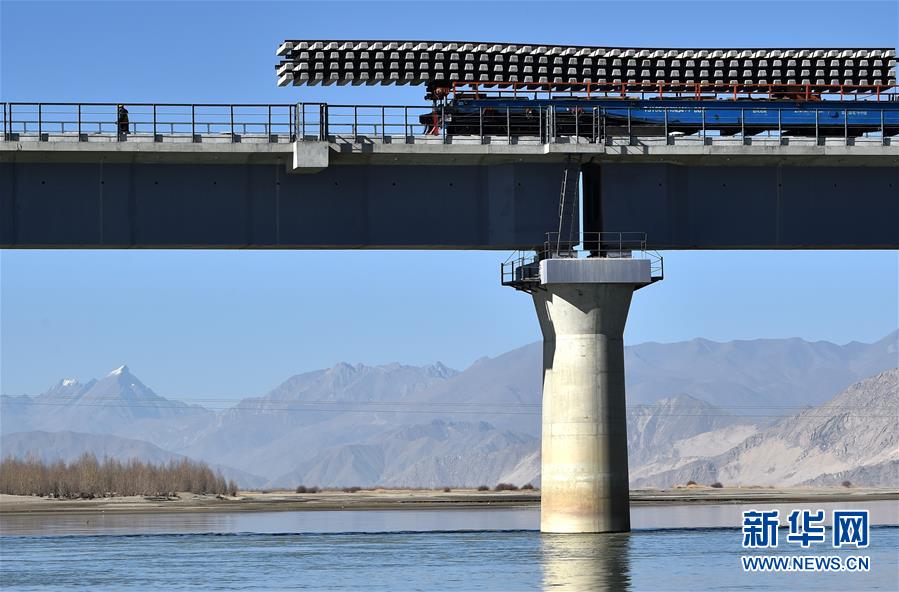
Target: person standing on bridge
point(122, 120)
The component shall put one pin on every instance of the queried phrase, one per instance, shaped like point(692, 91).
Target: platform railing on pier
point(521, 270)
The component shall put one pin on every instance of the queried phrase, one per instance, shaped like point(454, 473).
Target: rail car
point(600, 116)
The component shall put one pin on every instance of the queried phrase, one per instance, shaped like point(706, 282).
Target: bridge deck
point(426, 149)
point(395, 187)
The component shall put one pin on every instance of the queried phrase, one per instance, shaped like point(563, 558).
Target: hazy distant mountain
point(309, 412)
point(737, 376)
point(677, 430)
point(119, 403)
point(512, 382)
point(69, 446)
point(740, 374)
point(880, 474)
point(855, 429)
point(689, 403)
point(434, 454)
point(459, 453)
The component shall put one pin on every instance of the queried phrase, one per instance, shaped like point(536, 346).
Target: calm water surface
point(409, 550)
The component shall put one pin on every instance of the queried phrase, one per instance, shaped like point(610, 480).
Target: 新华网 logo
point(805, 528)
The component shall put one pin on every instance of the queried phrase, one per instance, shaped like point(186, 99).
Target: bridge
point(237, 176)
point(638, 150)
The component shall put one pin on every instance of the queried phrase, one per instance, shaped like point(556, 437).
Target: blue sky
point(236, 323)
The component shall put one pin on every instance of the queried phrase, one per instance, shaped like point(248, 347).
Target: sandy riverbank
point(399, 499)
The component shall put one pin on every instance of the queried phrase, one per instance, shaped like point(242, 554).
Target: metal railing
point(419, 123)
point(152, 121)
point(521, 270)
point(359, 124)
point(547, 124)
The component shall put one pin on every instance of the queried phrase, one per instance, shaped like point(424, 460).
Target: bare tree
point(88, 477)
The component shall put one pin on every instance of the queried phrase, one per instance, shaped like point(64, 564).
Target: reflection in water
point(119, 523)
point(642, 517)
point(482, 560)
point(595, 562)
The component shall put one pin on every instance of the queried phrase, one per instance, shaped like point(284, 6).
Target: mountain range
point(699, 409)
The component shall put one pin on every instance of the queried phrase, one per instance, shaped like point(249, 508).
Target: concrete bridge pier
point(582, 307)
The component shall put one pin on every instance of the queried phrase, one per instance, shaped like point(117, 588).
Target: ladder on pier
point(569, 197)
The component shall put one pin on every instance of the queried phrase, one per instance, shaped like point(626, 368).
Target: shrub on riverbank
point(87, 478)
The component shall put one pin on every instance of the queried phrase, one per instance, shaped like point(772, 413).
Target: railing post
point(154, 122)
point(79, 122)
point(193, 123)
point(702, 110)
point(508, 127)
point(302, 109)
point(291, 125)
point(405, 125)
point(883, 136)
point(231, 114)
point(816, 127)
point(846, 126)
point(481, 124)
point(40, 132)
point(665, 113)
point(577, 119)
point(268, 127)
point(629, 132)
point(743, 125)
point(443, 122)
point(554, 130)
point(355, 122)
point(383, 126)
point(780, 133)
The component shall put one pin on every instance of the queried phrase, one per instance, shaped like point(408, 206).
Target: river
point(671, 548)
